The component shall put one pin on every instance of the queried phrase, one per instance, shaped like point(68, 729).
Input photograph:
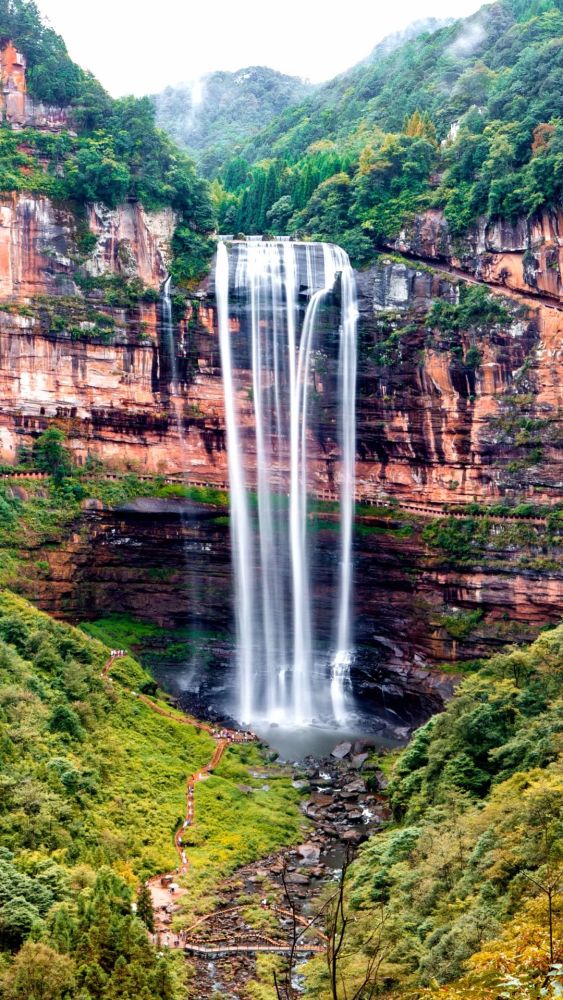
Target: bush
point(50, 454)
point(65, 720)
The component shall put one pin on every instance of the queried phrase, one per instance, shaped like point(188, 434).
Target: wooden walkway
point(224, 950)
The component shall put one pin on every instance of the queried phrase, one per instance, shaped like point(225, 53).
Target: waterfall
point(168, 355)
point(282, 307)
point(240, 515)
point(167, 323)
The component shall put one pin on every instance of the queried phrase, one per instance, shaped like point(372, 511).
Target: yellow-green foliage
point(262, 988)
point(234, 826)
point(478, 799)
point(113, 792)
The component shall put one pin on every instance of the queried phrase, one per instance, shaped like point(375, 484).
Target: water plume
point(284, 290)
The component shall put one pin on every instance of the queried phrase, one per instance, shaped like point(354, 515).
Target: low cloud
point(469, 39)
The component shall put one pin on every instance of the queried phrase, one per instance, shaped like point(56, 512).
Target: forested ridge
point(466, 118)
point(211, 117)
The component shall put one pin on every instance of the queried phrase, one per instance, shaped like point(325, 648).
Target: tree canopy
point(465, 117)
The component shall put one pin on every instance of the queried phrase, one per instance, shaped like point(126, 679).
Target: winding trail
point(159, 885)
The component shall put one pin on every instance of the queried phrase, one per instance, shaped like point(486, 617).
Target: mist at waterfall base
point(284, 309)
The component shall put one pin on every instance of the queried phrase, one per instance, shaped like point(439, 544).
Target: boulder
point(321, 799)
point(352, 836)
point(357, 786)
point(310, 853)
point(359, 759)
point(296, 879)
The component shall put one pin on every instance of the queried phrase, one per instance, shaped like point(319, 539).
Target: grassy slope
point(234, 825)
point(114, 792)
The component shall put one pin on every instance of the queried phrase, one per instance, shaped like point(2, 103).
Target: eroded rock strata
point(415, 605)
point(450, 415)
point(453, 407)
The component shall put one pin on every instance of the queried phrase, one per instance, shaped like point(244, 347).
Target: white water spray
point(285, 676)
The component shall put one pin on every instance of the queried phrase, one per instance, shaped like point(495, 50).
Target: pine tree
point(270, 195)
point(145, 911)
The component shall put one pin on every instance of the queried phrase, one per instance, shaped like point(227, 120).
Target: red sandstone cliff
point(56, 362)
point(16, 106)
point(435, 428)
point(428, 426)
point(525, 256)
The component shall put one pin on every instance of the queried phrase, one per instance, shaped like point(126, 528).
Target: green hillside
point(92, 786)
point(466, 118)
point(224, 110)
point(92, 789)
point(458, 888)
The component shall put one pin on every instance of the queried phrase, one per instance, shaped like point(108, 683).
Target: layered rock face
point(65, 355)
point(16, 106)
point(525, 256)
point(470, 414)
point(415, 604)
point(498, 433)
point(170, 561)
point(447, 413)
point(456, 415)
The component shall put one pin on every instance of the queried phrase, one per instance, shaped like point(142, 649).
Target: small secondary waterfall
point(167, 325)
point(294, 296)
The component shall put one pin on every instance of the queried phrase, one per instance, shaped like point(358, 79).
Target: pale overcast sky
point(134, 46)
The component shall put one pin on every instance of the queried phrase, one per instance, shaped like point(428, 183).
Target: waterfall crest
point(295, 302)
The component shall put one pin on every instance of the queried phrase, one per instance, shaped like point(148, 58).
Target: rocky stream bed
point(259, 905)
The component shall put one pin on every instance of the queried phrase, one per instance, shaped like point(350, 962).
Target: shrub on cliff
point(118, 153)
point(96, 174)
point(51, 455)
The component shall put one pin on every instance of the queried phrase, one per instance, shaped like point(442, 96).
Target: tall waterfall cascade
point(287, 313)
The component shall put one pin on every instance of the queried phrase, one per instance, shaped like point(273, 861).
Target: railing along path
point(364, 495)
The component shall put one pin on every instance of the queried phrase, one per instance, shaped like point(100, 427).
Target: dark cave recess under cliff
point(168, 562)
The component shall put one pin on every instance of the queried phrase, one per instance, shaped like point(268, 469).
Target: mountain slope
point(451, 902)
point(465, 119)
point(212, 117)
